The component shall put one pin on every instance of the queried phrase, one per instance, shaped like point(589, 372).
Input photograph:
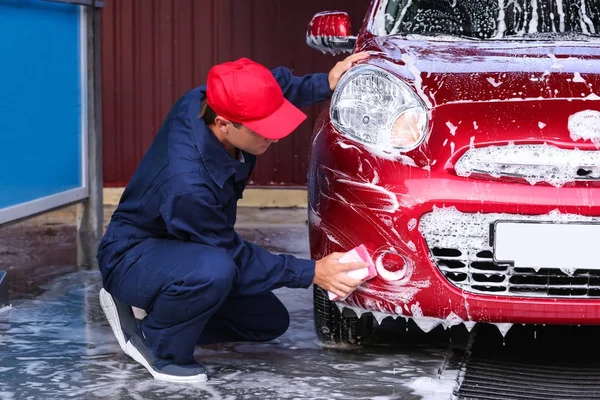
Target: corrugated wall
point(155, 50)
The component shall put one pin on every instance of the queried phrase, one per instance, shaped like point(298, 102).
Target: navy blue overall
point(171, 248)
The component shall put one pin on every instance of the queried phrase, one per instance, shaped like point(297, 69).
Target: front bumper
point(391, 206)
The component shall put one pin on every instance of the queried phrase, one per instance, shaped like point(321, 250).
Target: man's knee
point(201, 290)
point(225, 271)
point(215, 276)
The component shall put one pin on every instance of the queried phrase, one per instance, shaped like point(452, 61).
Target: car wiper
point(439, 36)
point(552, 37)
point(527, 38)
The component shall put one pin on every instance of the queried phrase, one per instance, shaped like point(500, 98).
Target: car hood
point(443, 72)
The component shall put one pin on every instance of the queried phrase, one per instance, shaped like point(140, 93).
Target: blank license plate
point(547, 245)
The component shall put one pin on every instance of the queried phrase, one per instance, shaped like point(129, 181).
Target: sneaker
point(162, 369)
point(120, 317)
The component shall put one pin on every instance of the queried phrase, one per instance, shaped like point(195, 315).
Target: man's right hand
point(331, 275)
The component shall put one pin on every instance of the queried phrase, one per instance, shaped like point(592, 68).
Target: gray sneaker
point(162, 369)
point(120, 317)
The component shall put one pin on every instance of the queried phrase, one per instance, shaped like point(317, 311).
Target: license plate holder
point(543, 244)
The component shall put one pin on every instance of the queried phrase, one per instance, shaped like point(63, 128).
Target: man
point(171, 248)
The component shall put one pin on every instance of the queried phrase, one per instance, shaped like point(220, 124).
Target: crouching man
point(171, 248)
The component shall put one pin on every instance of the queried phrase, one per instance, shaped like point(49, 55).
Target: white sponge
point(359, 253)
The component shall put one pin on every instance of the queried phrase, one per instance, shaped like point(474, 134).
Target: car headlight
point(376, 108)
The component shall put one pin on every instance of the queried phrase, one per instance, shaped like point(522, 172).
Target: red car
point(464, 154)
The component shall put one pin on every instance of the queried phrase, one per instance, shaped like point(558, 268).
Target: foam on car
point(533, 163)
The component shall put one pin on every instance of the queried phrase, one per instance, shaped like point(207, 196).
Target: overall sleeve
point(305, 90)
point(197, 217)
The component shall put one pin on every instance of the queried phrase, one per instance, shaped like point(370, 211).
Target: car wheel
point(334, 328)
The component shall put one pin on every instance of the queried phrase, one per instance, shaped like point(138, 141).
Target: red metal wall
point(155, 50)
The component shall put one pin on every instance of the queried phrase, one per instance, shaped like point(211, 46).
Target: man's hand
point(341, 67)
point(331, 275)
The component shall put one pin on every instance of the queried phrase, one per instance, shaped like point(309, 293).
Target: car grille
point(460, 247)
point(531, 163)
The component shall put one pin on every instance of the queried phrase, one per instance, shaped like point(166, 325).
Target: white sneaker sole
point(137, 356)
point(110, 310)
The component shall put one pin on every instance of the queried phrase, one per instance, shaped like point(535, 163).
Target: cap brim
point(279, 124)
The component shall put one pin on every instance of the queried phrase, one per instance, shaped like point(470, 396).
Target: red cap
point(246, 92)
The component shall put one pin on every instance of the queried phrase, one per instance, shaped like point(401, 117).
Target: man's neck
point(231, 149)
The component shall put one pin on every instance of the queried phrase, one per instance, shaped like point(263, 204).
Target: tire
point(333, 328)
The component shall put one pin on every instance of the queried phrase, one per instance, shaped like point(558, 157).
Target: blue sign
point(43, 110)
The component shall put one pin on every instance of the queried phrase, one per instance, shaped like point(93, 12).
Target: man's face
point(246, 139)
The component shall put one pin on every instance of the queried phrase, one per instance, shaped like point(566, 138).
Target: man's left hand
point(341, 67)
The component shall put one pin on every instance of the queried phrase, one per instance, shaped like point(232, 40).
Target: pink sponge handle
point(359, 253)
point(366, 257)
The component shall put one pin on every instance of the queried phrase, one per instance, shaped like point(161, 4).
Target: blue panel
point(40, 100)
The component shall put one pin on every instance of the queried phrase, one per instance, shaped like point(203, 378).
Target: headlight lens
point(374, 107)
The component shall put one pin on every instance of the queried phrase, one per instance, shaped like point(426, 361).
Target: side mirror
point(331, 31)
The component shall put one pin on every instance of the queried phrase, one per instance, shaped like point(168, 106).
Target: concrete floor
point(56, 343)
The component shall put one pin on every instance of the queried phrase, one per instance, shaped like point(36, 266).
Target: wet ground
point(57, 344)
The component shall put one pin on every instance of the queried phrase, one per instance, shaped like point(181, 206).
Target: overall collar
point(218, 162)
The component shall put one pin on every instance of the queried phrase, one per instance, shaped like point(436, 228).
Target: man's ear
point(221, 123)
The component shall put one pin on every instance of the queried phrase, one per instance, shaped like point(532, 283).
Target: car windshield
point(491, 19)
